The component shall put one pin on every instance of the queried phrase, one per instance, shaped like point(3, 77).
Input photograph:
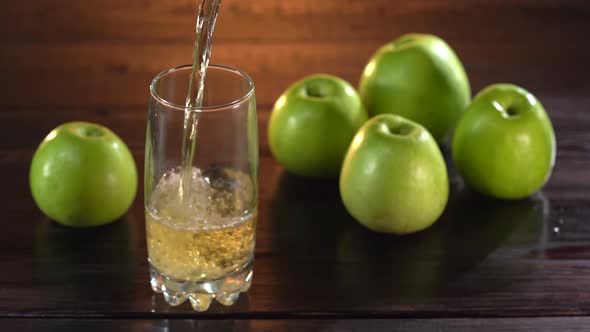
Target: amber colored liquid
point(207, 239)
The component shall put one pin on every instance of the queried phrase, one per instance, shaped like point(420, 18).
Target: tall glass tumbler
point(201, 220)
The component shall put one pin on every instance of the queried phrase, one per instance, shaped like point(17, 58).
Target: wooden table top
point(486, 265)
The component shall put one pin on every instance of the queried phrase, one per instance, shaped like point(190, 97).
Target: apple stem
point(511, 111)
point(401, 130)
point(91, 132)
point(316, 90)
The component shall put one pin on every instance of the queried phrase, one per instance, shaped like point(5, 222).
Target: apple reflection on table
point(333, 257)
point(98, 265)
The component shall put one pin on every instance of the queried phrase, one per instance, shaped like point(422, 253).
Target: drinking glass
point(201, 235)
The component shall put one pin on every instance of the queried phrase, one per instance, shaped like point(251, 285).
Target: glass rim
point(179, 107)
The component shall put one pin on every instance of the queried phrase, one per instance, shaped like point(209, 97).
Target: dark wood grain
point(486, 265)
point(107, 51)
point(141, 21)
point(483, 258)
point(361, 325)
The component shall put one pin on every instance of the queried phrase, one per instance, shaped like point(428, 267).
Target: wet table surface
point(486, 264)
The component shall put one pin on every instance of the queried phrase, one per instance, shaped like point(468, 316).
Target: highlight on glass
point(201, 187)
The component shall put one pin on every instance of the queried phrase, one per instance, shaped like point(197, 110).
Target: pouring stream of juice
point(205, 25)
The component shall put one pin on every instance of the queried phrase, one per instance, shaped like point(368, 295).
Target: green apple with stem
point(504, 144)
point(83, 174)
point(394, 178)
point(419, 77)
point(312, 124)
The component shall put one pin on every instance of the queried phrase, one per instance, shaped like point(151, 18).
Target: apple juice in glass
point(201, 218)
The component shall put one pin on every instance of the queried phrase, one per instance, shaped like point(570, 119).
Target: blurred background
point(105, 52)
point(93, 60)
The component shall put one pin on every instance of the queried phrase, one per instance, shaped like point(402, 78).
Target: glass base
point(225, 290)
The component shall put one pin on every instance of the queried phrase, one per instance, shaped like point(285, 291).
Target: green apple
point(312, 124)
point(394, 178)
point(419, 77)
point(83, 174)
point(504, 145)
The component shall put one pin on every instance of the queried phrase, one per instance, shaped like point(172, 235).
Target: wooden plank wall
point(104, 52)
